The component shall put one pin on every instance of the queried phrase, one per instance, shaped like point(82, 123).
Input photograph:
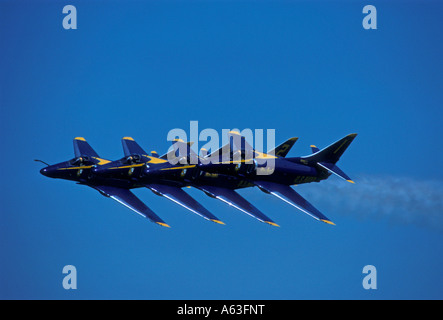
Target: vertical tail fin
point(183, 149)
point(131, 147)
point(333, 152)
point(82, 148)
point(283, 149)
point(179, 148)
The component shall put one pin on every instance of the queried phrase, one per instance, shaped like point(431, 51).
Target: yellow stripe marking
point(128, 138)
point(272, 223)
point(217, 221)
point(261, 155)
point(163, 224)
point(328, 222)
point(80, 138)
point(154, 159)
point(101, 161)
point(151, 160)
point(234, 161)
point(130, 166)
point(336, 150)
point(179, 168)
point(76, 168)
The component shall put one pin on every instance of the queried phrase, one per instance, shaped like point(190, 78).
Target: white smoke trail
point(399, 199)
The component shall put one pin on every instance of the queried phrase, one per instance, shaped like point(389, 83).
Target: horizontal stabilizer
point(335, 170)
point(131, 147)
point(232, 198)
point(314, 149)
point(289, 195)
point(180, 197)
point(129, 200)
point(82, 148)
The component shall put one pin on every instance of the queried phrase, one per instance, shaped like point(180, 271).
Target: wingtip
point(218, 221)
point(350, 181)
point(328, 222)
point(272, 223)
point(79, 138)
point(163, 224)
point(128, 138)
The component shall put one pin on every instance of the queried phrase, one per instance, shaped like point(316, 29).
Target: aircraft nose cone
point(44, 172)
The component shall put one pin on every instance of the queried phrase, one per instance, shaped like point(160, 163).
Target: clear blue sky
point(305, 69)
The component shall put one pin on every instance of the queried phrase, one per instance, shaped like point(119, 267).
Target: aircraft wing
point(180, 197)
point(129, 200)
point(289, 195)
point(232, 198)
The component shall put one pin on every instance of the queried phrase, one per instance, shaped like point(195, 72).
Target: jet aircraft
point(232, 167)
point(285, 171)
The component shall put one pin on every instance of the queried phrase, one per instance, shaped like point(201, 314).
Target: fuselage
point(213, 174)
point(143, 169)
point(81, 172)
point(288, 171)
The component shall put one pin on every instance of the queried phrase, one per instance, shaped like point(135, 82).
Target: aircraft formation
point(234, 166)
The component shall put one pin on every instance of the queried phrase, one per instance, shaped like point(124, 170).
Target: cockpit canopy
point(133, 158)
point(82, 160)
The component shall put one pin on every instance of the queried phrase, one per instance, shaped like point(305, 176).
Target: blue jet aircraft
point(232, 167)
